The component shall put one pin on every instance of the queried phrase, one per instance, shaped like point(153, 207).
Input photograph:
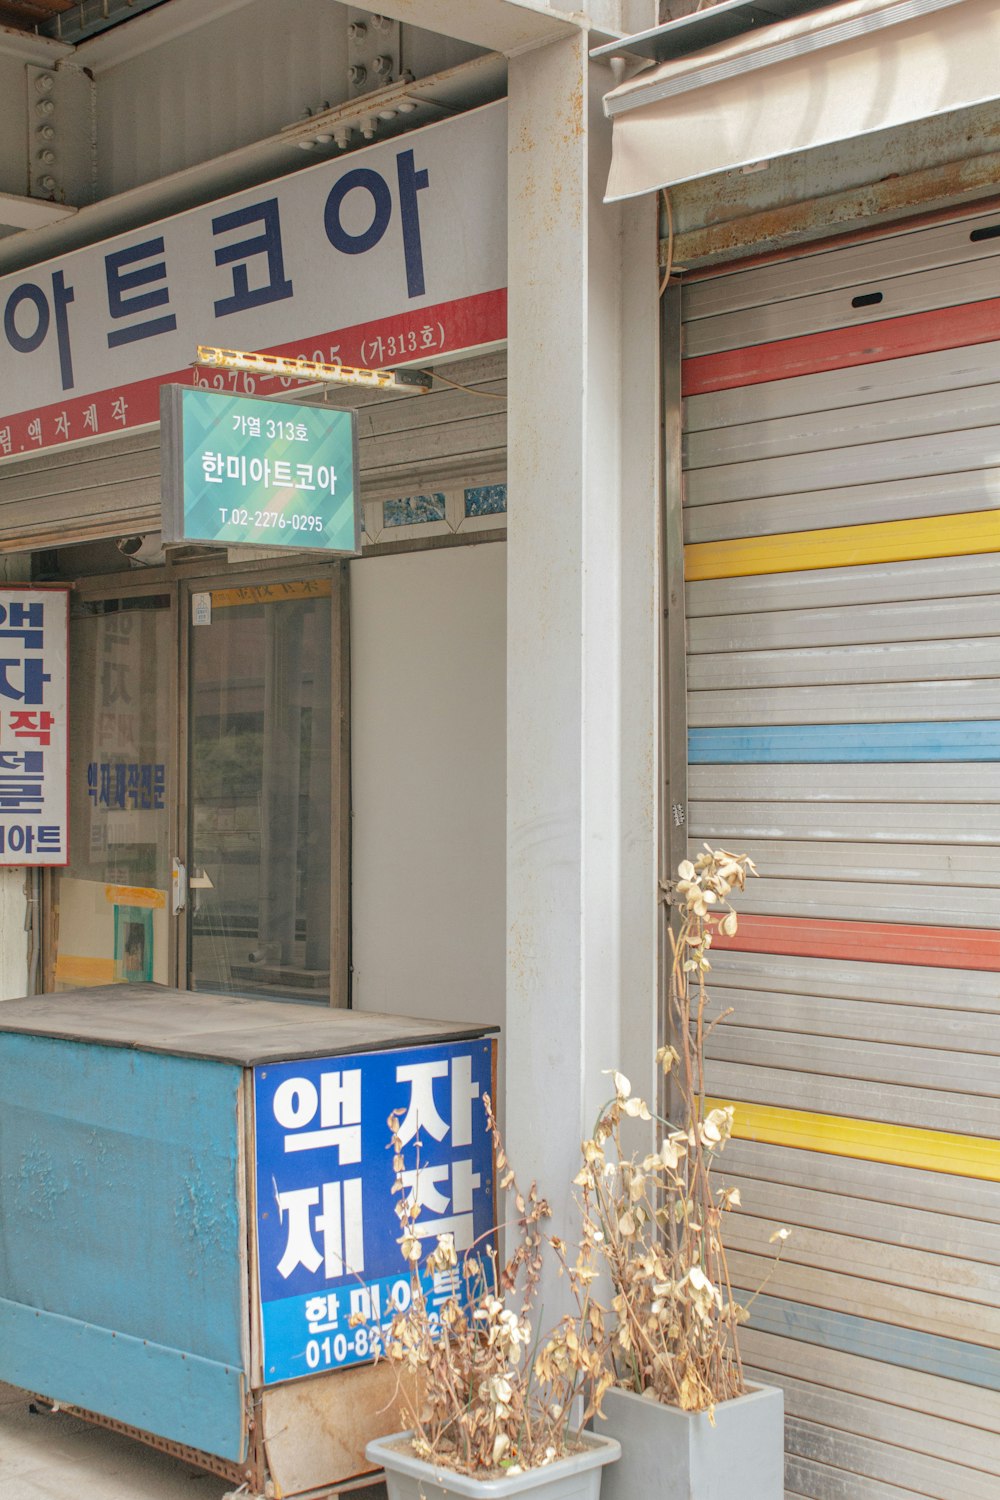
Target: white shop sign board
point(34, 732)
point(396, 254)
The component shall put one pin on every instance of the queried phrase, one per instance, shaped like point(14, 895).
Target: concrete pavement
point(51, 1456)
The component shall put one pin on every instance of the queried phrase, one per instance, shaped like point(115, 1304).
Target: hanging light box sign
point(239, 472)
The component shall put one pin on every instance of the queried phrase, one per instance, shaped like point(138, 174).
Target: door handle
point(178, 886)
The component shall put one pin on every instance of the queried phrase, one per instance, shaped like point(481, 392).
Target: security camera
point(142, 551)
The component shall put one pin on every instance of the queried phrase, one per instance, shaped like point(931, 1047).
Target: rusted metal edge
point(673, 646)
point(775, 229)
point(674, 706)
point(239, 1473)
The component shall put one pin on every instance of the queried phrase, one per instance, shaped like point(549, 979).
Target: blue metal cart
point(195, 1207)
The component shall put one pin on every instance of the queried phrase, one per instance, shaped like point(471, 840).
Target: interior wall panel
point(428, 663)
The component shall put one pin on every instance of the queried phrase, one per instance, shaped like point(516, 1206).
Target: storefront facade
point(399, 782)
point(385, 782)
point(208, 691)
point(441, 779)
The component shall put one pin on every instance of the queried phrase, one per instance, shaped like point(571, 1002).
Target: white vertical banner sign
point(34, 729)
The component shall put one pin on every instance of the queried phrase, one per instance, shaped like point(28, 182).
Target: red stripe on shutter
point(839, 348)
point(869, 942)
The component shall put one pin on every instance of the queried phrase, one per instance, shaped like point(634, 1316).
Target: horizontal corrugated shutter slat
point(818, 312)
point(856, 1098)
point(828, 978)
point(894, 661)
point(867, 624)
point(935, 1196)
point(943, 370)
point(962, 1240)
point(924, 1474)
point(856, 1020)
point(854, 463)
point(894, 500)
point(973, 1414)
point(895, 702)
point(843, 597)
point(949, 411)
point(882, 863)
point(947, 1442)
point(856, 901)
point(841, 267)
point(943, 823)
point(879, 784)
point(878, 1062)
point(873, 1294)
point(949, 1279)
point(920, 578)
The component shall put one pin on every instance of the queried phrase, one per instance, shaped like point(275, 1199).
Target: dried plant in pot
point(494, 1406)
point(689, 1425)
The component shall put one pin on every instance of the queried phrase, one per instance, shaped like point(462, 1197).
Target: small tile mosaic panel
point(486, 500)
point(414, 510)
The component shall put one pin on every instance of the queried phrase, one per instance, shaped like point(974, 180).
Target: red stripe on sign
point(839, 348)
point(414, 337)
point(869, 942)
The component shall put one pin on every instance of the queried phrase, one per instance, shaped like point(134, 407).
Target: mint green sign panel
point(240, 472)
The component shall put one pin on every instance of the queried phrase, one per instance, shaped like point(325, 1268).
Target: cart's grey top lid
point(225, 1028)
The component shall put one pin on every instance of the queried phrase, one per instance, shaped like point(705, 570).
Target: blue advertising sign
point(327, 1230)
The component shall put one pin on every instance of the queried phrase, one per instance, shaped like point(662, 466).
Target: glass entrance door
point(205, 797)
point(109, 913)
point(259, 862)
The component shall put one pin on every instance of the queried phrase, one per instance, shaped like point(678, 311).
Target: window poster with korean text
point(34, 624)
point(384, 257)
point(244, 472)
point(330, 1268)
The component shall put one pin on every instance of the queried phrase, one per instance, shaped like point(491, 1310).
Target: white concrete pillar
point(582, 621)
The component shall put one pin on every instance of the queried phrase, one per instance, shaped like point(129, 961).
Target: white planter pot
point(669, 1454)
point(577, 1477)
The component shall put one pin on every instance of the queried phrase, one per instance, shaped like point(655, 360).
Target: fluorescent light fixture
point(314, 371)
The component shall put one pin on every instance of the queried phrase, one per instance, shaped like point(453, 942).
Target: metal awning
point(830, 75)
